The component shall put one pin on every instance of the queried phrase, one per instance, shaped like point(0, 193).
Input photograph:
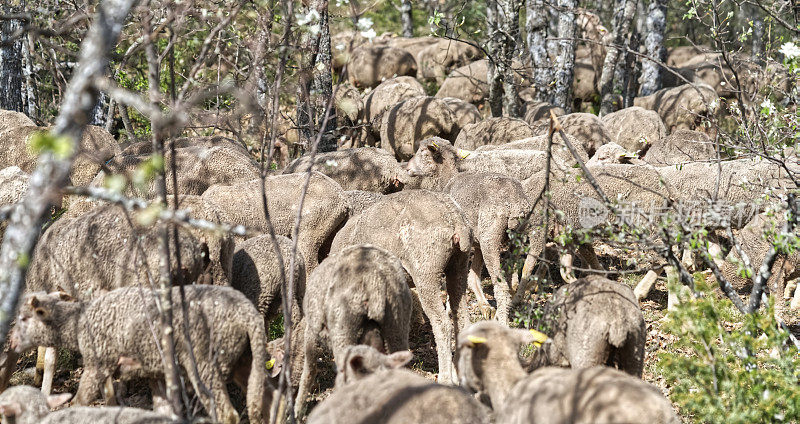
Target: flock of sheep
point(419, 204)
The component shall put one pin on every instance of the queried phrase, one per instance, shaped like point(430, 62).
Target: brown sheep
point(369, 66)
point(118, 325)
point(363, 168)
point(12, 119)
point(198, 168)
point(96, 147)
point(436, 162)
point(683, 107)
point(680, 147)
point(585, 127)
point(437, 60)
point(28, 405)
point(493, 206)
point(594, 321)
point(635, 128)
point(377, 390)
point(102, 251)
point(429, 235)
point(412, 120)
point(324, 210)
point(256, 273)
point(360, 295)
point(382, 98)
point(492, 131)
point(488, 363)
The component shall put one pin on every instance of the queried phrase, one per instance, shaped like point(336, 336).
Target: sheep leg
point(589, 257)
point(490, 246)
point(9, 362)
point(310, 344)
point(585, 350)
point(38, 375)
point(456, 279)
point(395, 327)
point(90, 385)
point(49, 370)
point(219, 404)
point(474, 282)
point(159, 394)
point(528, 284)
point(567, 273)
point(428, 289)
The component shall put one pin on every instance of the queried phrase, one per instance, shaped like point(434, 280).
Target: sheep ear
point(62, 295)
point(54, 401)
point(530, 336)
point(33, 302)
point(398, 359)
point(356, 363)
point(10, 409)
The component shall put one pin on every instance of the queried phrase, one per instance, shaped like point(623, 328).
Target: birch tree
point(503, 23)
point(655, 27)
point(11, 67)
point(565, 60)
point(536, 25)
point(406, 18)
point(625, 10)
point(316, 81)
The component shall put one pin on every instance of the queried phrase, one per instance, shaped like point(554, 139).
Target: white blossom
point(767, 104)
point(364, 23)
point(790, 50)
point(340, 3)
point(369, 34)
point(311, 16)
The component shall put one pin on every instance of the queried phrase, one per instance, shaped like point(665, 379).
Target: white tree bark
point(565, 61)
point(656, 25)
point(609, 100)
point(11, 77)
point(406, 18)
point(536, 25)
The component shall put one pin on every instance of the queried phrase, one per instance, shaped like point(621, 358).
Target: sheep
point(559, 149)
point(583, 126)
point(493, 206)
point(369, 66)
point(13, 184)
point(324, 210)
point(613, 153)
point(12, 119)
point(413, 45)
point(429, 235)
point(358, 200)
point(680, 147)
point(382, 98)
point(102, 251)
point(256, 273)
point(634, 128)
point(467, 83)
point(464, 113)
point(364, 168)
point(594, 321)
point(198, 167)
point(361, 290)
point(536, 111)
point(488, 363)
point(384, 393)
point(492, 131)
point(28, 405)
point(682, 107)
point(117, 328)
point(436, 162)
point(412, 120)
point(95, 147)
point(437, 60)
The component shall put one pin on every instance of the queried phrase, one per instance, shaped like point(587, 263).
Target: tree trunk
point(759, 42)
point(509, 12)
point(610, 100)
point(536, 25)
point(11, 77)
point(494, 73)
point(406, 18)
point(565, 61)
point(52, 171)
point(630, 87)
point(656, 25)
point(316, 78)
point(30, 85)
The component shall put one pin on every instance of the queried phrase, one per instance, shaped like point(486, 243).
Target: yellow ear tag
point(270, 363)
point(538, 337)
point(476, 339)
point(433, 143)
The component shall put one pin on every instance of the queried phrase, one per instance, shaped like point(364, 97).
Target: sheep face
point(40, 320)
point(429, 158)
point(362, 361)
